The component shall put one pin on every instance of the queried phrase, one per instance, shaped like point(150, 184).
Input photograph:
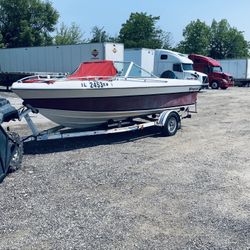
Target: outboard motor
point(11, 149)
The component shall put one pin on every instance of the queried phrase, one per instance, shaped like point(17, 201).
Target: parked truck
point(239, 69)
point(16, 63)
point(216, 77)
point(165, 63)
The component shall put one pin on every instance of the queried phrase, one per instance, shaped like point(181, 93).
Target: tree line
point(26, 23)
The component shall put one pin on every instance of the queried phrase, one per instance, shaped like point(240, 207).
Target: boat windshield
point(130, 69)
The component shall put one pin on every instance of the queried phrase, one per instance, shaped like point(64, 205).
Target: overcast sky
point(174, 15)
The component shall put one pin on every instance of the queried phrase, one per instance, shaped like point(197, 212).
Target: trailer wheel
point(16, 150)
point(171, 125)
point(214, 85)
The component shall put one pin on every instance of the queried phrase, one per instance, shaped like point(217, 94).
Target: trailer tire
point(17, 152)
point(171, 125)
point(214, 85)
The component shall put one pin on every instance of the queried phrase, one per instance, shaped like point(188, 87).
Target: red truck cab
point(216, 77)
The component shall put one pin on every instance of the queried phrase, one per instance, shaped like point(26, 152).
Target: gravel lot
point(137, 190)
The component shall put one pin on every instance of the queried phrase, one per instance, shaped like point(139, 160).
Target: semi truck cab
point(216, 77)
point(165, 63)
point(171, 64)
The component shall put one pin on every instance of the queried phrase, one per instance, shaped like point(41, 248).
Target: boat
point(101, 92)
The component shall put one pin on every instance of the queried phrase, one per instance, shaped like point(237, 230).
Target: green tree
point(27, 22)
point(68, 35)
point(226, 41)
point(196, 38)
point(1, 41)
point(140, 31)
point(99, 35)
point(219, 40)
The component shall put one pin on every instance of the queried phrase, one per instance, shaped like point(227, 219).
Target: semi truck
point(16, 63)
point(165, 63)
point(216, 77)
point(239, 69)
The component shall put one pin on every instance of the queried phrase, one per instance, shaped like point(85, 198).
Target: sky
point(174, 15)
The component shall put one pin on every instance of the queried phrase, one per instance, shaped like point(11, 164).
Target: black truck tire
point(168, 74)
point(214, 85)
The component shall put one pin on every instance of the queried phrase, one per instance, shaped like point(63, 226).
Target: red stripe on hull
point(112, 104)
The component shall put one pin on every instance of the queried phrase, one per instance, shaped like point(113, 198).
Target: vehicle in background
point(165, 63)
point(16, 63)
point(239, 69)
point(216, 77)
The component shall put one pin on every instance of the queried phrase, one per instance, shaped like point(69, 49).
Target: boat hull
point(89, 112)
point(80, 106)
point(81, 119)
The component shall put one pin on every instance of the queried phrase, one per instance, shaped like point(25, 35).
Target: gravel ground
point(137, 190)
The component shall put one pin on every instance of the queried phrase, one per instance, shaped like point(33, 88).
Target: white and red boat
point(103, 91)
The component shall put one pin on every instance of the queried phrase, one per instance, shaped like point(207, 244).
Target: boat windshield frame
point(128, 69)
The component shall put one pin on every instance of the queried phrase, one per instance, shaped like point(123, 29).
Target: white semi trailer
point(16, 63)
point(239, 69)
point(165, 63)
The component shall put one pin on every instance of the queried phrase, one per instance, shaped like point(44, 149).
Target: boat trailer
point(11, 144)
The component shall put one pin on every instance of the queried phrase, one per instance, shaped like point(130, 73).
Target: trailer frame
point(8, 112)
point(61, 132)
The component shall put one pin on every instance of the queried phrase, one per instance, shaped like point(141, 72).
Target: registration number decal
point(95, 84)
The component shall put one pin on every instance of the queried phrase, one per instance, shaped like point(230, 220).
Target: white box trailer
point(239, 69)
point(165, 63)
point(54, 59)
point(142, 57)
